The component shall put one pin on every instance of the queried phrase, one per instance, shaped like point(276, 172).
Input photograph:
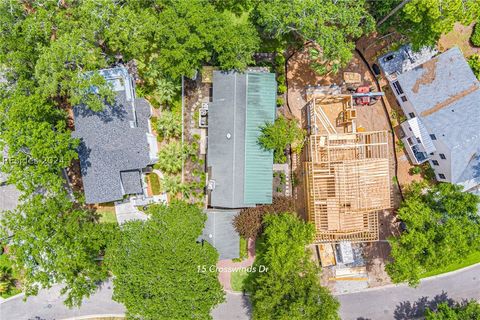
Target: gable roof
point(113, 142)
point(445, 94)
point(242, 171)
point(261, 96)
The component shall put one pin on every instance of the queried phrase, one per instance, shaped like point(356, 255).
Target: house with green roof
point(240, 171)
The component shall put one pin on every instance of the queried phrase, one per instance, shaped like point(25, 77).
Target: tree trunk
point(391, 13)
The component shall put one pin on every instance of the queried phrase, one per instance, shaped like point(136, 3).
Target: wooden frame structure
point(347, 182)
point(319, 121)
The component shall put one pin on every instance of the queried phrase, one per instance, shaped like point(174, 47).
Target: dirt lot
point(460, 37)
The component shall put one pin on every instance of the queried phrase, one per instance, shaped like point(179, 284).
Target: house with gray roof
point(240, 171)
point(441, 100)
point(116, 144)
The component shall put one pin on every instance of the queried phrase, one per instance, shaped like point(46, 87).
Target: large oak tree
point(161, 270)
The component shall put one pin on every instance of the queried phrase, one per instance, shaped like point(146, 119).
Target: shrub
point(169, 125)
point(280, 101)
point(281, 89)
point(249, 221)
point(170, 158)
point(475, 37)
point(280, 59)
point(474, 63)
point(415, 170)
point(427, 172)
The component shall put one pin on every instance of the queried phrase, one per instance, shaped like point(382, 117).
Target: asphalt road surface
point(48, 305)
point(398, 302)
point(402, 302)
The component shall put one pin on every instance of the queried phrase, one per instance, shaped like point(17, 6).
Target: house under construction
point(346, 173)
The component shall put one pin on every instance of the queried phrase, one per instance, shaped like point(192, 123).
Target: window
point(404, 99)
point(432, 136)
point(435, 162)
point(418, 140)
point(442, 156)
point(441, 176)
point(411, 115)
point(397, 87)
point(410, 142)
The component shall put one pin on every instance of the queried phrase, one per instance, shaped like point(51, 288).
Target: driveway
point(401, 302)
point(235, 307)
point(48, 305)
point(126, 211)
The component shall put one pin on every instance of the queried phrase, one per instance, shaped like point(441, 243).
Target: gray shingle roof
point(112, 141)
point(445, 93)
point(131, 181)
point(226, 156)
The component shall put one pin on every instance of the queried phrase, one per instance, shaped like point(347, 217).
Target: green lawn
point(107, 214)
point(154, 182)
point(468, 261)
point(237, 278)
point(243, 251)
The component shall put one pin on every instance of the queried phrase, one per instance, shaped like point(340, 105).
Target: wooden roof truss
point(347, 183)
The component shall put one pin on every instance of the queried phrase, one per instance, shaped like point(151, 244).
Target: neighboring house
point(440, 97)
point(117, 145)
point(240, 171)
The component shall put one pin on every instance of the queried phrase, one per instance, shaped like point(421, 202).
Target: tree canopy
point(290, 287)
point(333, 25)
point(40, 229)
point(461, 311)
point(424, 21)
point(443, 227)
point(158, 265)
point(50, 52)
point(277, 136)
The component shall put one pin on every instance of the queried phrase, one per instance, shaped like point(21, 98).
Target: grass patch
point(243, 252)
point(469, 260)
point(154, 182)
point(107, 214)
point(237, 279)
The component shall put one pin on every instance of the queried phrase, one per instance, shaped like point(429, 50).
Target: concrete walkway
point(401, 302)
point(224, 277)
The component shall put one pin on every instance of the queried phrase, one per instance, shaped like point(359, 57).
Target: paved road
point(393, 302)
point(48, 305)
point(402, 302)
point(236, 307)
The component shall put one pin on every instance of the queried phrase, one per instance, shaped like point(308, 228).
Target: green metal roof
point(261, 102)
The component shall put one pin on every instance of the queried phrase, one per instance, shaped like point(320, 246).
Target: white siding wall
point(444, 166)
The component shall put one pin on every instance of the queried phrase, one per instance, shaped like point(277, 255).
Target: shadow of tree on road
point(407, 310)
point(247, 305)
